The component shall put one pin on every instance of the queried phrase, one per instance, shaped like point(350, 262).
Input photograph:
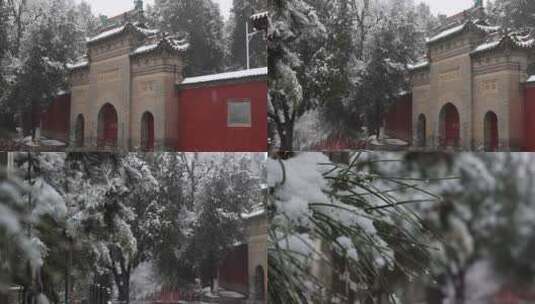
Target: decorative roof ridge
point(163, 43)
point(136, 26)
point(519, 40)
point(480, 25)
point(260, 15)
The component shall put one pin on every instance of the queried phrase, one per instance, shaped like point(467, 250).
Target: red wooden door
point(451, 126)
point(108, 127)
point(79, 135)
point(491, 132)
point(147, 132)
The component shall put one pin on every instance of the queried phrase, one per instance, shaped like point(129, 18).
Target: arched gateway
point(259, 283)
point(107, 127)
point(450, 126)
point(491, 132)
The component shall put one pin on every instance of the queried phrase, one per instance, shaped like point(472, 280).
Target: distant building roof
point(138, 27)
point(226, 76)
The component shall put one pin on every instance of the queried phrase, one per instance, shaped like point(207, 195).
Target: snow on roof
point(418, 65)
point(487, 46)
point(148, 32)
point(176, 45)
point(77, 65)
point(259, 16)
point(447, 33)
point(253, 214)
point(520, 41)
point(524, 41)
point(145, 48)
point(114, 31)
point(488, 29)
point(227, 76)
point(106, 34)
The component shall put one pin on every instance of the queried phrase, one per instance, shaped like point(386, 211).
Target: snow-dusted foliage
point(344, 59)
point(201, 23)
point(345, 231)
point(482, 223)
point(40, 38)
point(241, 12)
point(341, 232)
point(99, 216)
point(512, 14)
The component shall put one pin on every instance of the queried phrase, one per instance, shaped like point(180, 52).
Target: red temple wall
point(233, 271)
point(203, 118)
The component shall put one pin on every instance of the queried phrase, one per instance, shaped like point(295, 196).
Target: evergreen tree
point(513, 14)
point(293, 22)
point(201, 23)
point(227, 192)
point(241, 13)
point(341, 232)
point(42, 37)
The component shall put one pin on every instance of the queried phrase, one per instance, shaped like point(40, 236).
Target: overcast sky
point(448, 7)
point(115, 7)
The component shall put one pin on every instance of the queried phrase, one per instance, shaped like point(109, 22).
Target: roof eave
point(221, 81)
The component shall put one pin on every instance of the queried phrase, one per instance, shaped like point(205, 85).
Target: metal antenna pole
point(247, 43)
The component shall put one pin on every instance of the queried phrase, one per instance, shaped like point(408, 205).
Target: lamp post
point(259, 25)
point(249, 37)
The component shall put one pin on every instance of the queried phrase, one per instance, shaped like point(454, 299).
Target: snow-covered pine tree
point(175, 212)
point(341, 232)
point(42, 37)
point(483, 234)
point(201, 23)
point(337, 56)
point(225, 193)
point(45, 212)
point(513, 14)
point(241, 12)
point(37, 81)
point(292, 23)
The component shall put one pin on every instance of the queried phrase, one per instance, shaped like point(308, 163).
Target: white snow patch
point(145, 48)
point(304, 184)
point(487, 46)
point(447, 33)
point(253, 214)
point(53, 142)
point(78, 65)
point(106, 34)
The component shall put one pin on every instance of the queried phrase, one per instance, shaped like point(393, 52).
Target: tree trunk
point(286, 137)
point(124, 289)
point(68, 267)
point(460, 287)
